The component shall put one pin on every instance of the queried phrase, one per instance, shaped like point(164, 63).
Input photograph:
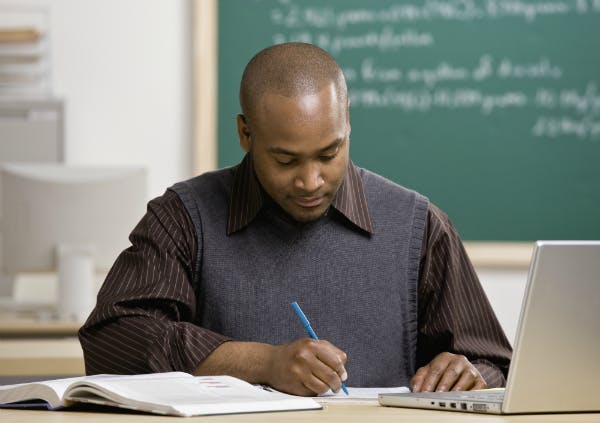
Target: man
point(207, 284)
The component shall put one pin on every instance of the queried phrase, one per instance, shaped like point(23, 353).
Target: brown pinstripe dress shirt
point(144, 318)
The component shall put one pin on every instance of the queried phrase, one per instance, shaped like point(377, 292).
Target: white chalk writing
point(560, 126)
point(396, 56)
point(290, 15)
point(485, 68)
point(383, 40)
point(426, 100)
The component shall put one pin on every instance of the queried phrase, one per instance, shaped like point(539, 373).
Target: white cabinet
point(31, 130)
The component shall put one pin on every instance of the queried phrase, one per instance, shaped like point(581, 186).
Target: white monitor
point(31, 130)
point(85, 211)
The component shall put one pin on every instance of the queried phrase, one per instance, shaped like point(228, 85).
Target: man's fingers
point(430, 375)
point(315, 385)
point(418, 378)
point(480, 383)
point(465, 382)
point(328, 377)
point(330, 368)
point(334, 353)
point(448, 372)
point(470, 379)
point(453, 373)
point(433, 377)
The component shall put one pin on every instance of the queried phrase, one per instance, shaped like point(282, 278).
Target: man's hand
point(448, 372)
point(306, 367)
point(303, 367)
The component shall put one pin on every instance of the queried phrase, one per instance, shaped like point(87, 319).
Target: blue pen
point(311, 332)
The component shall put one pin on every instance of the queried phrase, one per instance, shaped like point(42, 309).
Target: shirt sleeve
point(143, 319)
point(454, 313)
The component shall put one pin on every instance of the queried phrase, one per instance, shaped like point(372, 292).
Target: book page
point(186, 395)
point(49, 391)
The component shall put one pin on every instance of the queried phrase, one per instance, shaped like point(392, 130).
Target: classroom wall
point(123, 69)
point(505, 288)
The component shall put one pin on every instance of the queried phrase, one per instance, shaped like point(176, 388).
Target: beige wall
point(123, 69)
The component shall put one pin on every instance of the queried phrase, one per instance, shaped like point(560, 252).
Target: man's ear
point(348, 117)
point(244, 133)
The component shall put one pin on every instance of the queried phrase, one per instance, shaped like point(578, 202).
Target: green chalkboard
point(490, 108)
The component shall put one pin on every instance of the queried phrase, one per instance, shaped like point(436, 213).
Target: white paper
point(356, 394)
point(359, 394)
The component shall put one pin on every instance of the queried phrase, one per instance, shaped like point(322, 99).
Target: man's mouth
point(309, 201)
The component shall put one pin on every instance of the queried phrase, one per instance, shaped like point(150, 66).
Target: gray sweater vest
point(358, 290)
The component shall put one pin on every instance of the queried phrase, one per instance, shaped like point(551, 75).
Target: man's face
point(300, 149)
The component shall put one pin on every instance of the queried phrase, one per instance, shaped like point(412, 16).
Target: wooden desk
point(342, 413)
point(36, 328)
point(44, 357)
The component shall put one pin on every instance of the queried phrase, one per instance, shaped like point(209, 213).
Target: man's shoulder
point(210, 182)
point(380, 186)
point(438, 216)
point(214, 176)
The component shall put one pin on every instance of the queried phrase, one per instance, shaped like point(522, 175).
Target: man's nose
point(309, 178)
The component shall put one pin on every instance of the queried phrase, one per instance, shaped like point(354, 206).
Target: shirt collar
point(247, 198)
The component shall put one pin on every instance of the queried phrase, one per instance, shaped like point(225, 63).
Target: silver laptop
point(556, 360)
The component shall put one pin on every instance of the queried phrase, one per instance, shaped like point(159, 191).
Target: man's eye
point(284, 162)
point(329, 157)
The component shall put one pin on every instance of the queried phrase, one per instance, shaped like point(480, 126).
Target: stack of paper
point(24, 58)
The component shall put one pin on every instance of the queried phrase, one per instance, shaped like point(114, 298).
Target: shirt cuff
point(492, 375)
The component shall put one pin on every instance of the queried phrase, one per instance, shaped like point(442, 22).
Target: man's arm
point(142, 321)
point(461, 344)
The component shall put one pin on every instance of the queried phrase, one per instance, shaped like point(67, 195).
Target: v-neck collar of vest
point(247, 198)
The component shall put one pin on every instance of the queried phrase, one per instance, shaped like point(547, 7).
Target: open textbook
point(174, 393)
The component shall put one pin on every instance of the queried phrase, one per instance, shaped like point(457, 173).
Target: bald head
point(290, 70)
